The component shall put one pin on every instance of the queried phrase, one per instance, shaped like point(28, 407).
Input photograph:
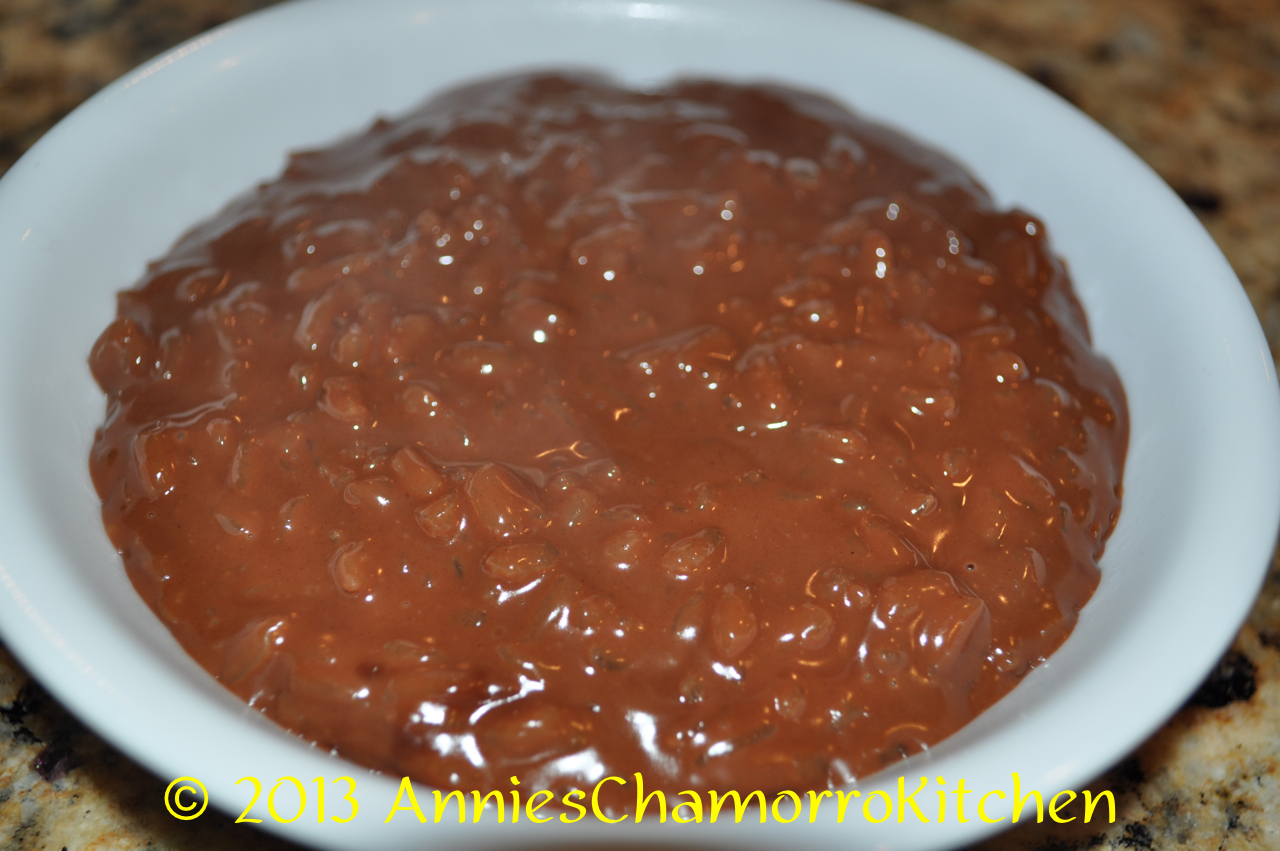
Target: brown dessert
point(559, 430)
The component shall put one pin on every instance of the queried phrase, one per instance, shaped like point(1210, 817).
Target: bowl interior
point(119, 180)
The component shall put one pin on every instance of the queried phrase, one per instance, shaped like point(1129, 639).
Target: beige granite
point(1192, 85)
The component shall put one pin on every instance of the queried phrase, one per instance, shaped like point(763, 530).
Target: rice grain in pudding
point(560, 430)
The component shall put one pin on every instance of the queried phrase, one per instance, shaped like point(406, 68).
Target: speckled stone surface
point(1192, 85)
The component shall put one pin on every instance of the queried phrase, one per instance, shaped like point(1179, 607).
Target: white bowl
point(116, 182)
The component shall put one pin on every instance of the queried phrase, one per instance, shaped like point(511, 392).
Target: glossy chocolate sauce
point(559, 430)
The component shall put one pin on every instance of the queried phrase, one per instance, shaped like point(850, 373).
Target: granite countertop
point(1193, 86)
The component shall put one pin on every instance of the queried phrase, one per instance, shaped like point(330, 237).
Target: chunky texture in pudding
point(560, 430)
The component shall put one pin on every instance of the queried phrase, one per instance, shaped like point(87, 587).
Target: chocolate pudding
point(560, 430)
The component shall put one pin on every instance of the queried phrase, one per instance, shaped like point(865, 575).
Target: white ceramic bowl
point(117, 181)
